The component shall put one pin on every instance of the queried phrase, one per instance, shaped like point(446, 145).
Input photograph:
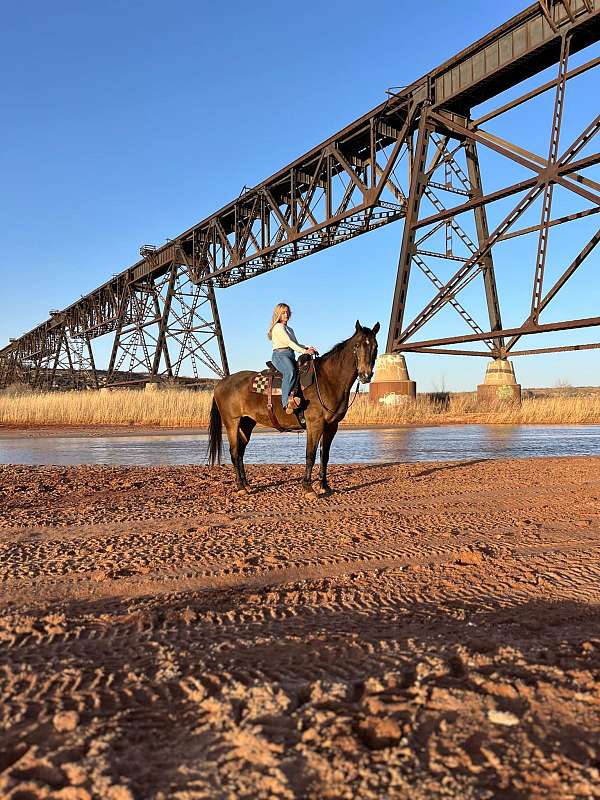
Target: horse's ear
point(376, 328)
point(358, 327)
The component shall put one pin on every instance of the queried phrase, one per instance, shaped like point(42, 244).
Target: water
point(443, 443)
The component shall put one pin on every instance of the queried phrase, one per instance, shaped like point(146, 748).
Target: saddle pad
point(260, 384)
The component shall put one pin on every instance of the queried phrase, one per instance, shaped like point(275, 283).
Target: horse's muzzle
point(364, 377)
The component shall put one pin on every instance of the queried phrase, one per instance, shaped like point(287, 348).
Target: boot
point(293, 403)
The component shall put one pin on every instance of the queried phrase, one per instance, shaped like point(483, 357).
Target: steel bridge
point(414, 157)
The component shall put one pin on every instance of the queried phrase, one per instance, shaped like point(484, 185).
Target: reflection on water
point(443, 443)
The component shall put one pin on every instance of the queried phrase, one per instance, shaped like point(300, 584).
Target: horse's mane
point(336, 351)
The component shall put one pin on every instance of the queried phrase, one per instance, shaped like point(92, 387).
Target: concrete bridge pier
point(499, 383)
point(391, 382)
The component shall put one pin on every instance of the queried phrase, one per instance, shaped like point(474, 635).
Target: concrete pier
point(391, 382)
point(500, 383)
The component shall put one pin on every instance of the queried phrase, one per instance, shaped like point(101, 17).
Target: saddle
point(269, 382)
point(305, 374)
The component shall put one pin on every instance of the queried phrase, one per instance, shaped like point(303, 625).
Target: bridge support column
point(500, 383)
point(481, 224)
point(391, 383)
point(67, 362)
point(408, 250)
point(167, 328)
point(12, 370)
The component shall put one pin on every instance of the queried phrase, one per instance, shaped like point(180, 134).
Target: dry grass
point(185, 409)
point(168, 408)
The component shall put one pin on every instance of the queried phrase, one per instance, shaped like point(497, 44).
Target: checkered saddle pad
point(260, 383)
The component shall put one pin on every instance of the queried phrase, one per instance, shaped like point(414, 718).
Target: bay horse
point(325, 404)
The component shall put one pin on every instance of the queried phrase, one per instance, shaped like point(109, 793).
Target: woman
point(284, 344)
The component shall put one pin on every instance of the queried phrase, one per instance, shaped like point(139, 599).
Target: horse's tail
point(215, 435)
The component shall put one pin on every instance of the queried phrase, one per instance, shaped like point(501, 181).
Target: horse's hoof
point(310, 493)
point(241, 492)
point(323, 491)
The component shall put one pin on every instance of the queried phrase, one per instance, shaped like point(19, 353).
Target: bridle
point(354, 351)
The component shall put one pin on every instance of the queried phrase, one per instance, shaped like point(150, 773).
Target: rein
point(319, 392)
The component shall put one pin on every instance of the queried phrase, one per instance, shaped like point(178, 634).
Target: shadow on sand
point(170, 685)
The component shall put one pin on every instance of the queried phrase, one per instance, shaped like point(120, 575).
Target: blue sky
point(126, 123)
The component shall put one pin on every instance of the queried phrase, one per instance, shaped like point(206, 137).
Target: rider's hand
point(311, 351)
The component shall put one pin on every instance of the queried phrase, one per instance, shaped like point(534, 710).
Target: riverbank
point(96, 431)
point(428, 631)
point(172, 409)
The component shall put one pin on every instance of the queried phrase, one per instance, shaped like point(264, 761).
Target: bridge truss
point(419, 156)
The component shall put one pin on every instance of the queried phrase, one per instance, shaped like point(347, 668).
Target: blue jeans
point(285, 362)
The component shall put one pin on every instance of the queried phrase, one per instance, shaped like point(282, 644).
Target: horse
point(324, 406)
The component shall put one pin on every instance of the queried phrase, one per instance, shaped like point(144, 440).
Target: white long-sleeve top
point(283, 336)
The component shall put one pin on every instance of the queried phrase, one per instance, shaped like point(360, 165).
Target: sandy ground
point(429, 630)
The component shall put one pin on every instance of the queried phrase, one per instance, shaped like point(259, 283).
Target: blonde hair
point(279, 308)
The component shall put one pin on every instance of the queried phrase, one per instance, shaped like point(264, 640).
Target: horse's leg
point(329, 432)
point(245, 431)
point(313, 435)
point(233, 430)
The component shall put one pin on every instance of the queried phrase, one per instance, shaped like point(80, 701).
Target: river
point(372, 445)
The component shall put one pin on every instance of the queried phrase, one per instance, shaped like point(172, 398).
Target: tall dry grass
point(179, 408)
point(167, 408)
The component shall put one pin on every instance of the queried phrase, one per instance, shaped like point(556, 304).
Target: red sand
point(429, 630)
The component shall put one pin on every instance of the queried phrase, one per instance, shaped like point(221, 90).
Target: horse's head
point(365, 350)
